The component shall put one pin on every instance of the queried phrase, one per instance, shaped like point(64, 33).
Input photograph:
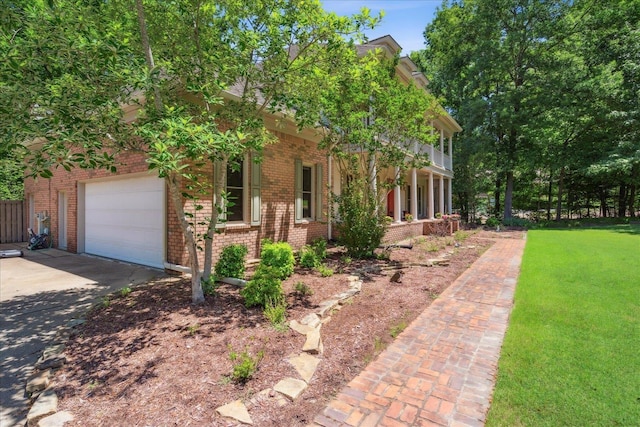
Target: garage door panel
point(144, 218)
point(124, 219)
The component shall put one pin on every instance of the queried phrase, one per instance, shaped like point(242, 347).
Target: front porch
point(424, 227)
point(426, 196)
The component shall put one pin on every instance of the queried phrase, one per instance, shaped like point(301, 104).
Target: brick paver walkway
point(441, 370)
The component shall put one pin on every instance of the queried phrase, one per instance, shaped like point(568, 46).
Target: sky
point(404, 20)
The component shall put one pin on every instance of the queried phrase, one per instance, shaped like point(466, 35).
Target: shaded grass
point(571, 356)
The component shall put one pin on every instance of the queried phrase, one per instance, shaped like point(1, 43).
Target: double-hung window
point(242, 187)
point(235, 193)
point(308, 191)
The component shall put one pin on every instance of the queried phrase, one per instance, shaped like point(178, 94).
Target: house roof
point(409, 71)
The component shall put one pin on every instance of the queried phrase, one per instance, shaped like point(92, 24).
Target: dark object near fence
point(39, 241)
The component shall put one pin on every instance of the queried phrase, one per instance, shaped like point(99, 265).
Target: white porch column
point(442, 141)
point(451, 150)
point(373, 173)
point(414, 193)
point(450, 196)
point(430, 213)
point(397, 208)
point(441, 188)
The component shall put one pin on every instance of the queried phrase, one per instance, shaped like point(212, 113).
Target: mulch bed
point(151, 358)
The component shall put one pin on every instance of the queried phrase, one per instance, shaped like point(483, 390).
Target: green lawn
point(571, 356)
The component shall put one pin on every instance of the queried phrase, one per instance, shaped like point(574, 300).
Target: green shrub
point(276, 313)
point(124, 292)
point(324, 270)
point(492, 222)
point(278, 255)
point(265, 286)
point(303, 290)
point(244, 365)
point(362, 225)
point(193, 329)
point(308, 257)
point(398, 328)
point(231, 262)
point(319, 246)
point(516, 222)
point(209, 286)
point(461, 235)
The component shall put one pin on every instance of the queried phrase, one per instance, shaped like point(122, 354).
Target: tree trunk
point(560, 195)
point(635, 177)
point(496, 206)
point(508, 196)
point(220, 179)
point(603, 203)
point(172, 181)
point(197, 295)
point(148, 53)
point(550, 196)
point(622, 201)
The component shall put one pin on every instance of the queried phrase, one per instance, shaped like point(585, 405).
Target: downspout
point(329, 190)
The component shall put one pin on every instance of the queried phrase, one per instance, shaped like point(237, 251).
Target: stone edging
point(306, 363)
point(44, 410)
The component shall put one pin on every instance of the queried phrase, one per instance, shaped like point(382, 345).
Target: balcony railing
point(437, 157)
point(446, 162)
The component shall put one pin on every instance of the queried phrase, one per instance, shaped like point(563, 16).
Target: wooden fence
point(13, 228)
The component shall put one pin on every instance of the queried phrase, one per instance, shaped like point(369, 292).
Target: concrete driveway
point(38, 293)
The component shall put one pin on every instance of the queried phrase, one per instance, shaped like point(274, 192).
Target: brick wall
point(402, 231)
point(277, 195)
point(46, 191)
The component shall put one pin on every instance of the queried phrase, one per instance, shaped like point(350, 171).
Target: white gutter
point(330, 188)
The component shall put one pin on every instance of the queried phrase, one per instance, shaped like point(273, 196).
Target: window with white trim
point(308, 191)
point(235, 193)
point(242, 186)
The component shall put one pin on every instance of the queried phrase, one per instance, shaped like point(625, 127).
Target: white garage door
point(124, 219)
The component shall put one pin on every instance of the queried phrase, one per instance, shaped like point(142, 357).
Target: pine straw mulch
point(151, 358)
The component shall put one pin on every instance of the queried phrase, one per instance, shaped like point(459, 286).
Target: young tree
point(371, 122)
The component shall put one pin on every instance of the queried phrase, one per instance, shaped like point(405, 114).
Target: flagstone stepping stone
point(291, 387)
point(56, 420)
point(38, 381)
point(313, 344)
point(311, 319)
point(267, 397)
point(326, 307)
point(300, 328)
point(235, 410)
point(305, 365)
point(45, 405)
